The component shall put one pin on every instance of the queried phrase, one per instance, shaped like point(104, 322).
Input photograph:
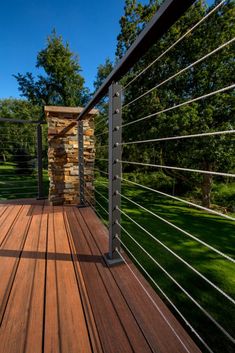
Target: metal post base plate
point(114, 261)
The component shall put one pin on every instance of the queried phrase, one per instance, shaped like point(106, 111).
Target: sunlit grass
point(214, 230)
point(14, 185)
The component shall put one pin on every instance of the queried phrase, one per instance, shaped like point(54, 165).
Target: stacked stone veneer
point(63, 168)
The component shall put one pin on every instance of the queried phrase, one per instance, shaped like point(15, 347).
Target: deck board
point(167, 326)
point(18, 309)
point(130, 326)
point(58, 295)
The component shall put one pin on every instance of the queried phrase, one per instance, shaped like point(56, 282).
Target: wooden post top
point(67, 112)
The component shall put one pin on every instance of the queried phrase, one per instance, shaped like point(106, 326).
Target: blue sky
point(90, 27)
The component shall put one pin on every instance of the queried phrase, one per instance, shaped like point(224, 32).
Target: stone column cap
point(68, 112)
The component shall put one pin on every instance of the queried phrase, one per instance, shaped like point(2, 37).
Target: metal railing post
point(115, 169)
point(39, 161)
point(81, 162)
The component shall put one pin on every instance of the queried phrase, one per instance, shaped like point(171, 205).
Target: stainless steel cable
point(101, 159)
point(205, 312)
point(182, 231)
point(95, 210)
point(180, 72)
point(103, 146)
point(99, 193)
point(179, 168)
point(16, 188)
point(214, 133)
point(180, 258)
point(101, 121)
point(105, 185)
point(175, 43)
point(180, 105)
point(151, 298)
point(101, 171)
point(85, 189)
point(178, 199)
point(102, 133)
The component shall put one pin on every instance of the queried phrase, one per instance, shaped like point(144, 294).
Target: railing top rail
point(169, 12)
point(21, 121)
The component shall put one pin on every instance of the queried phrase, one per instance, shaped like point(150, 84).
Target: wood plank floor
point(57, 294)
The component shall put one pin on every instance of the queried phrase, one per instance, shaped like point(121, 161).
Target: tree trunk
point(206, 190)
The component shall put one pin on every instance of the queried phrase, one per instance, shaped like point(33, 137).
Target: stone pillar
point(63, 168)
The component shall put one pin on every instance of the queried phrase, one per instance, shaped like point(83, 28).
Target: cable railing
point(21, 160)
point(172, 127)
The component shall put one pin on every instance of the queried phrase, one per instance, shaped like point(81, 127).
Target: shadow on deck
point(57, 294)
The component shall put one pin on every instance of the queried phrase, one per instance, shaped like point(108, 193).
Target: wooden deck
point(57, 294)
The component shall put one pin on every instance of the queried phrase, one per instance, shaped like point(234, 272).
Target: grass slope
point(214, 230)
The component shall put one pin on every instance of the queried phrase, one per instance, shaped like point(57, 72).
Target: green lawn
point(214, 230)
point(16, 186)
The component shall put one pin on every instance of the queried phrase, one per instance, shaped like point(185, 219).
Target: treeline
point(216, 113)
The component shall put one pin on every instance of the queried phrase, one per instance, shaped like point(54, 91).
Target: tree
point(61, 83)
point(136, 15)
point(213, 114)
point(19, 136)
point(103, 71)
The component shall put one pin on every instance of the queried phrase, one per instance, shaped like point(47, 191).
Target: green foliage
point(15, 186)
point(224, 194)
point(24, 163)
point(157, 180)
point(18, 136)
point(209, 228)
point(103, 71)
point(136, 15)
point(61, 83)
point(212, 114)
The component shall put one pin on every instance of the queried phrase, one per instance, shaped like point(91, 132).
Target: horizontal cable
point(14, 188)
point(102, 133)
point(101, 159)
point(85, 189)
point(15, 167)
point(180, 72)
point(163, 293)
point(182, 231)
point(12, 181)
point(181, 104)
point(105, 185)
point(11, 149)
point(99, 193)
point(153, 301)
point(179, 168)
point(21, 155)
point(14, 175)
point(225, 132)
point(178, 199)
point(21, 143)
point(102, 146)
point(102, 207)
point(179, 258)
point(104, 119)
point(18, 162)
point(96, 211)
point(101, 171)
point(205, 312)
point(19, 193)
point(174, 44)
